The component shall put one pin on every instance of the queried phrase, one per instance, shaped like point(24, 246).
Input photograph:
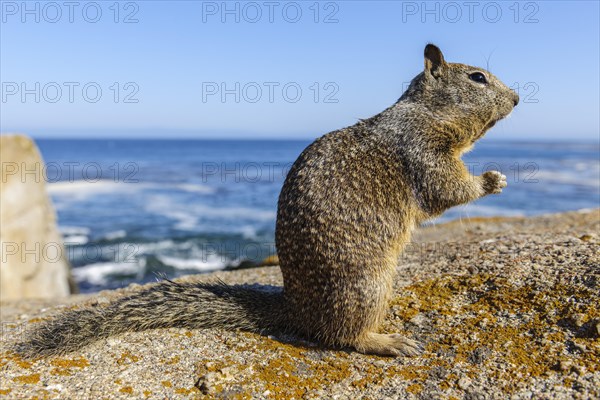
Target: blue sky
point(163, 76)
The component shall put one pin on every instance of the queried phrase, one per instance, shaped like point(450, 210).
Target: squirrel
point(346, 209)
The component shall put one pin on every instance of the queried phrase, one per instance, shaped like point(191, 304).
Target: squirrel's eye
point(478, 77)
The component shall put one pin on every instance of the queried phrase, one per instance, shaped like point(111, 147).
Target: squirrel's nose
point(516, 99)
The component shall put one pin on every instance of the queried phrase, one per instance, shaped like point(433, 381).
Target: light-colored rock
point(33, 261)
point(529, 348)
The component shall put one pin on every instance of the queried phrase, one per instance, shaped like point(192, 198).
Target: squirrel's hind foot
point(388, 345)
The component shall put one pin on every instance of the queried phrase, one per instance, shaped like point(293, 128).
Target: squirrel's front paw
point(493, 182)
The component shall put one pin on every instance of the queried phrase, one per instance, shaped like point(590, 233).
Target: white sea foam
point(194, 188)
point(209, 263)
point(187, 215)
point(585, 166)
point(148, 248)
point(73, 230)
point(97, 274)
point(126, 252)
point(121, 233)
point(65, 193)
point(248, 232)
point(75, 240)
point(568, 178)
point(83, 186)
point(185, 221)
point(82, 189)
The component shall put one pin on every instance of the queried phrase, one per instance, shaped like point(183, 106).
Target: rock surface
point(506, 308)
point(33, 262)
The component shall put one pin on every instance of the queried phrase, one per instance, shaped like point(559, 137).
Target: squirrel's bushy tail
point(167, 304)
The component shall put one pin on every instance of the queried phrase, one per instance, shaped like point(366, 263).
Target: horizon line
point(290, 139)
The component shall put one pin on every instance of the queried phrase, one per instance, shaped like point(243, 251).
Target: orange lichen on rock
point(33, 378)
point(530, 344)
point(70, 363)
point(126, 389)
point(127, 357)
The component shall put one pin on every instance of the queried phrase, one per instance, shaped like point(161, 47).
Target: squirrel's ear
point(434, 60)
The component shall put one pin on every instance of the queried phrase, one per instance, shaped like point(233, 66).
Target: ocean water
point(130, 210)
